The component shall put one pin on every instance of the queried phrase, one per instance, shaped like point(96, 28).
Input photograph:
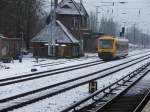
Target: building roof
point(6, 38)
point(1, 36)
point(69, 7)
point(60, 34)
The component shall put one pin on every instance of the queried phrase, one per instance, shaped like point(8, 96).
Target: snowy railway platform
point(54, 104)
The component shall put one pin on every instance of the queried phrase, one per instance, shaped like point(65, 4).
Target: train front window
point(106, 44)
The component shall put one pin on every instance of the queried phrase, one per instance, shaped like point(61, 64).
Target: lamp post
point(20, 23)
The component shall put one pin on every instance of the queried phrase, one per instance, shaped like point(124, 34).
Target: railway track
point(63, 62)
point(66, 61)
point(23, 99)
point(27, 77)
point(142, 104)
point(117, 96)
point(128, 101)
point(32, 76)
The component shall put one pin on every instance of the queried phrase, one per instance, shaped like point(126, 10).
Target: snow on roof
point(6, 38)
point(70, 7)
point(60, 34)
point(2, 36)
point(72, 38)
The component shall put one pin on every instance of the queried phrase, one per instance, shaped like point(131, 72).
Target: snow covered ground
point(59, 102)
point(28, 63)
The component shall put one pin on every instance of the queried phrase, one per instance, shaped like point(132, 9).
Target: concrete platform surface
point(147, 107)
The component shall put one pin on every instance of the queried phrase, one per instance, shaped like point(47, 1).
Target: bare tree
point(137, 37)
point(92, 22)
point(19, 17)
point(109, 26)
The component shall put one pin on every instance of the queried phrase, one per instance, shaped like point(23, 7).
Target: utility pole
point(134, 35)
point(82, 18)
point(97, 23)
point(18, 22)
point(20, 25)
point(51, 41)
point(79, 26)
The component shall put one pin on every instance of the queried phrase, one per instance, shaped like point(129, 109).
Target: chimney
point(56, 3)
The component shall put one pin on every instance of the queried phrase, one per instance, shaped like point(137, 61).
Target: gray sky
point(128, 12)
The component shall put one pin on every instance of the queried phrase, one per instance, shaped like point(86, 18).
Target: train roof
point(116, 38)
point(106, 37)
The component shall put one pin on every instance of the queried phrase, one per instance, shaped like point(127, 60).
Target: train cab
point(112, 47)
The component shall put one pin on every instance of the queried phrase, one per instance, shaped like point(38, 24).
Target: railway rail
point(128, 101)
point(23, 99)
point(63, 62)
point(142, 104)
point(32, 76)
point(27, 77)
point(101, 99)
